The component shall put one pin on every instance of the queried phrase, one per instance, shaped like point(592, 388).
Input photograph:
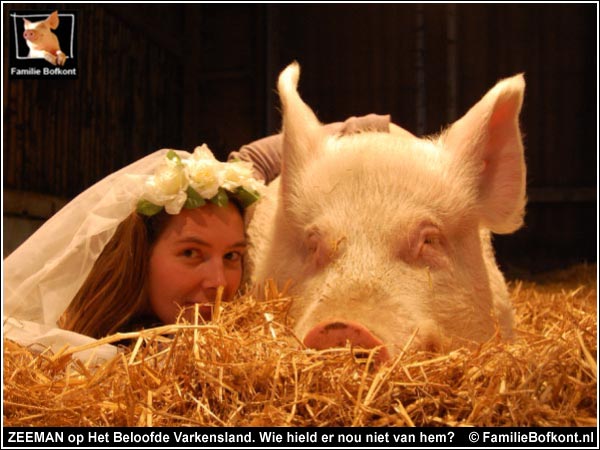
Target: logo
point(43, 44)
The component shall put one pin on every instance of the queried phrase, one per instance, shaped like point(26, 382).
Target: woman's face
point(198, 250)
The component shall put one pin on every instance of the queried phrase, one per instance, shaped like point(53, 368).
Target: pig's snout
point(30, 35)
point(337, 333)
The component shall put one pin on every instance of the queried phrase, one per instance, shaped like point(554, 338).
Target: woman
point(179, 260)
point(185, 240)
point(134, 249)
point(156, 237)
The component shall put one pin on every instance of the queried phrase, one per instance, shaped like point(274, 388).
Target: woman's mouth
point(205, 311)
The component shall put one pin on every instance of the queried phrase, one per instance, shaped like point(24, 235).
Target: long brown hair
point(115, 291)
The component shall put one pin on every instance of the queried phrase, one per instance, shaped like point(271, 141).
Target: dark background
point(174, 75)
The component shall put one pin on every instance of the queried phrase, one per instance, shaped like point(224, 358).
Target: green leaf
point(174, 156)
point(245, 197)
point(221, 198)
point(194, 200)
point(147, 208)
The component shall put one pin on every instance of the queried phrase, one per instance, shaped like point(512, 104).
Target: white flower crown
point(193, 181)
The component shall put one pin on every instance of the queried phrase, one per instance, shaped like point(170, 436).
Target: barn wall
point(156, 76)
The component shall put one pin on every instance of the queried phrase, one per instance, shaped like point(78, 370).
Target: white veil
point(42, 276)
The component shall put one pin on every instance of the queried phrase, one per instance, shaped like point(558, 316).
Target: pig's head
point(39, 34)
point(386, 237)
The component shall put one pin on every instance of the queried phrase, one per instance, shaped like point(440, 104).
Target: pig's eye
point(312, 242)
point(319, 249)
point(432, 239)
point(427, 246)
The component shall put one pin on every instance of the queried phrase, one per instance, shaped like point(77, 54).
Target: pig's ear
point(53, 20)
point(488, 148)
point(301, 128)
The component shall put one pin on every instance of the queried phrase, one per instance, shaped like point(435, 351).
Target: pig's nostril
point(361, 354)
point(335, 326)
point(337, 334)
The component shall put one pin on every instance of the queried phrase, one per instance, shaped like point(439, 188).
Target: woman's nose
point(214, 275)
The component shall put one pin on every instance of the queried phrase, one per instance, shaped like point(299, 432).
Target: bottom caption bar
point(299, 437)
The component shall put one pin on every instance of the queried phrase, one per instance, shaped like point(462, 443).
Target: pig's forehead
point(388, 179)
point(380, 147)
point(38, 24)
point(376, 161)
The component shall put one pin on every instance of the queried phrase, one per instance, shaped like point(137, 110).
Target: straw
point(246, 368)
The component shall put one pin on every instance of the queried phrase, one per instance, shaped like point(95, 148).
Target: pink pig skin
point(386, 237)
point(42, 42)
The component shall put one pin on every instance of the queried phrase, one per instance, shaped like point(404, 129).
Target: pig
point(386, 237)
point(42, 42)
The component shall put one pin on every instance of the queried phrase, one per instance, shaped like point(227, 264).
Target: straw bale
point(247, 369)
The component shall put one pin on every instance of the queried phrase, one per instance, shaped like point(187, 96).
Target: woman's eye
point(233, 256)
point(190, 253)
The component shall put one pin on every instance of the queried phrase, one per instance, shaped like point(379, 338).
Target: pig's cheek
point(433, 256)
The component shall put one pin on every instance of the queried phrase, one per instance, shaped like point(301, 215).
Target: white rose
point(202, 152)
point(204, 176)
point(170, 179)
point(254, 185)
point(174, 205)
point(236, 174)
